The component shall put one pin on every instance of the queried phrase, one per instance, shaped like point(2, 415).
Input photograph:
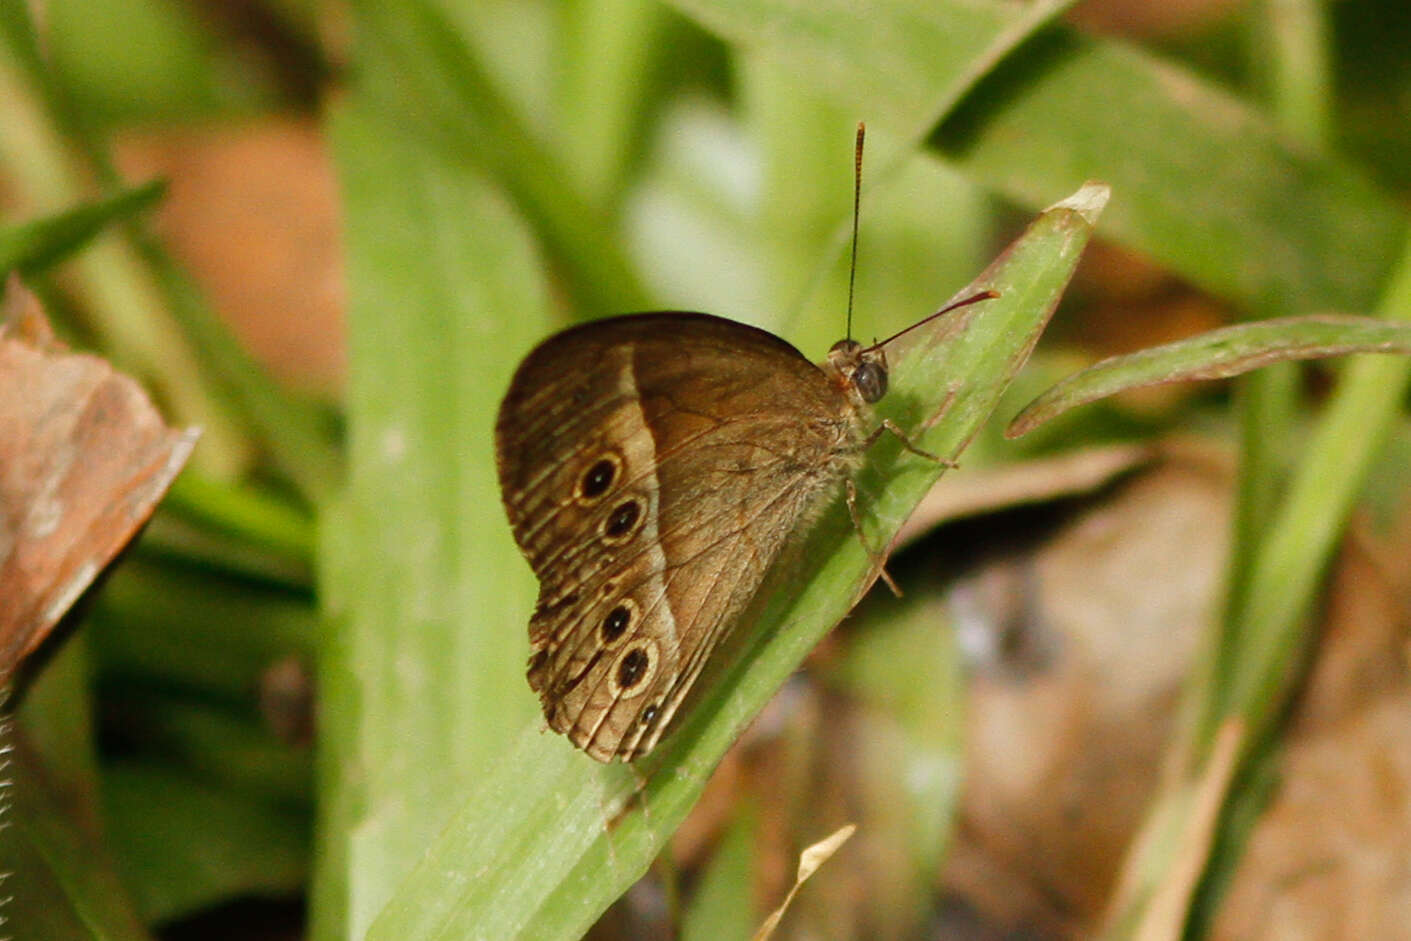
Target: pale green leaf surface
point(422, 676)
point(611, 47)
point(901, 63)
point(552, 838)
point(923, 227)
point(429, 83)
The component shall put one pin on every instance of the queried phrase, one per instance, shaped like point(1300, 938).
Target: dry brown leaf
point(1062, 750)
point(252, 210)
point(1329, 858)
point(1035, 481)
point(84, 459)
point(809, 861)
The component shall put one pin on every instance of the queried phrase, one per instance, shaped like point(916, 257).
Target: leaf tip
point(1087, 202)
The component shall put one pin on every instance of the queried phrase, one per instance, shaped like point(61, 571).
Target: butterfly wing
point(653, 467)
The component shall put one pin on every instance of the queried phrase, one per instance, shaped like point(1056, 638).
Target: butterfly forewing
point(653, 467)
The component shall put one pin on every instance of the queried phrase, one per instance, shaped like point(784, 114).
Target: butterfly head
point(862, 370)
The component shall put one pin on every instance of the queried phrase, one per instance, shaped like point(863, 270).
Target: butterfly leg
point(880, 562)
point(890, 426)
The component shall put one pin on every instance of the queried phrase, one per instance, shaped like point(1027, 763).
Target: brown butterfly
point(654, 467)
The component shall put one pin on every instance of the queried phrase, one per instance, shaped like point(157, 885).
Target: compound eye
point(870, 380)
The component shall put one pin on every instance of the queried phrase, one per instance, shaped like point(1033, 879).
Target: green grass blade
point(422, 676)
point(34, 246)
point(1218, 354)
point(255, 518)
point(1269, 627)
point(208, 844)
point(1291, 54)
point(552, 838)
point(436, 88)
point(1209, 187)
point(170, 626)
point(1287, 571)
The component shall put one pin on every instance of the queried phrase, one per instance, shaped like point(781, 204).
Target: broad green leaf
point(552, 837)
point(613, 46)
point(1209, 188)
point(422, 672)
point(902, 64)
point(1218, 354)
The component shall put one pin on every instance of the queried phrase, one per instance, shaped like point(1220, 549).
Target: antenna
point(963, 302)
point(856, 201)
point(852, 266)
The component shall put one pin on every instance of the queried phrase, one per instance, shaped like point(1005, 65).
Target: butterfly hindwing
point(653, 467)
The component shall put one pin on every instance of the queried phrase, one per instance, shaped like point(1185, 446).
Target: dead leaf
point(1036, 481)
point(252, 211)
point(84, 459)
point(809, 861)
point(1063, 749)
point(1328, 859)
